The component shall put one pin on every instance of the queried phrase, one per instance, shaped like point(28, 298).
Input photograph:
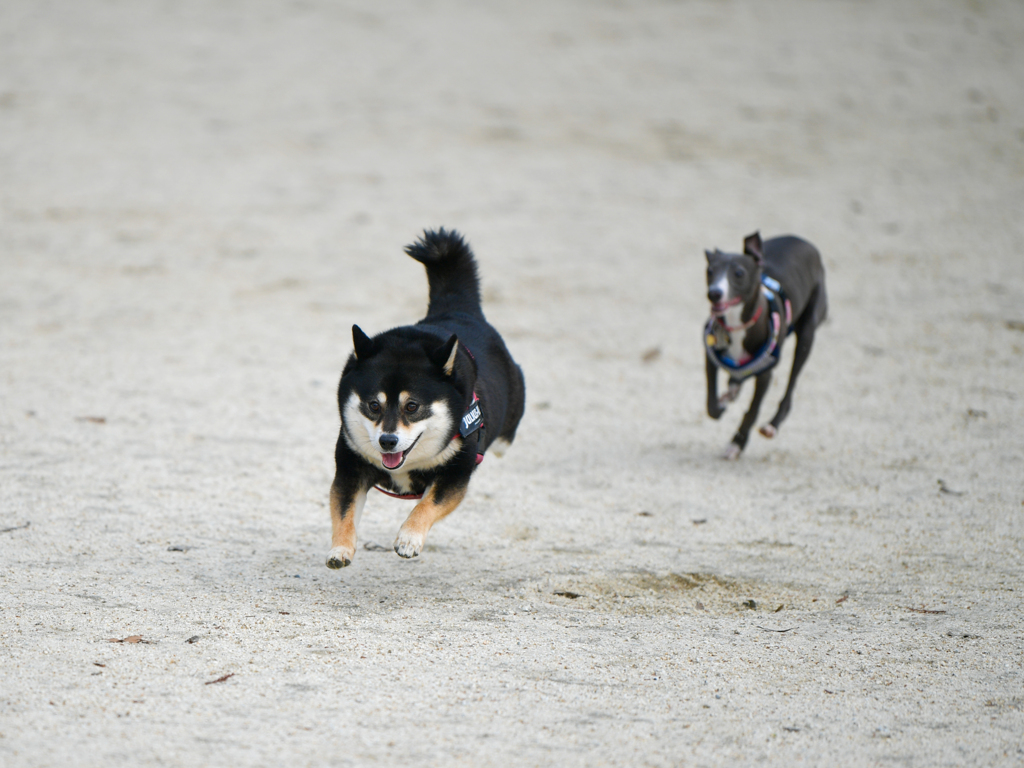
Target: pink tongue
point(392, 460)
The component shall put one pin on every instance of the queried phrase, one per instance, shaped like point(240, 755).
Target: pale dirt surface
point(197, 200)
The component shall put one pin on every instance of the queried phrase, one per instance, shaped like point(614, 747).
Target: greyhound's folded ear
point(752, 247)
point(710, 255)
point(363, 344)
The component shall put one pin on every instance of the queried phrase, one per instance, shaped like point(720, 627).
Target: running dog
point(758, 298)
point(421, 404)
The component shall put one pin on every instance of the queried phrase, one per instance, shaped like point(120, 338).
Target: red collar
point(745, 325)
point(394, 495)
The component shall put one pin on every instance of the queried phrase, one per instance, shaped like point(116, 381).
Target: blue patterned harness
point(717, 339)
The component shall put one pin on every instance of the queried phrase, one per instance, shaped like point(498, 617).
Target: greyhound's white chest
point(733, 319)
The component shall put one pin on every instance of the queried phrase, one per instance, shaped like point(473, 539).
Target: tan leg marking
point(413, 533)
point(343, 529)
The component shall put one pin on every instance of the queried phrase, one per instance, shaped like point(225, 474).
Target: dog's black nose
point(714, 295)
point(388, 442)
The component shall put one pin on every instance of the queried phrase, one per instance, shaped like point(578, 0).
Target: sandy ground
point(198, 199)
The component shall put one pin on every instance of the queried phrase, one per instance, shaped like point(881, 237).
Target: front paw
point(768, 430)
point(732, 452)
point(730, 394)
point(409, 543)
point(715, 411)
point(339, 557)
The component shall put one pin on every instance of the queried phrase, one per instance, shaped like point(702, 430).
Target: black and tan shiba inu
point(421, 404)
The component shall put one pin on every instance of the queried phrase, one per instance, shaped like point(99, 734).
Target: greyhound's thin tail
point(451, 271)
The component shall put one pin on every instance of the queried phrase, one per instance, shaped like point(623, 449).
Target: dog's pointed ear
point(362, 343)
point(444, 356)
point(752, 246)
point(709, 254)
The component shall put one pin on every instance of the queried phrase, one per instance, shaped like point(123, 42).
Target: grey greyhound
point(758, 298)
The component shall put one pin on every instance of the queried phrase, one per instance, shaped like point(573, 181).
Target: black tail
point(451, 271)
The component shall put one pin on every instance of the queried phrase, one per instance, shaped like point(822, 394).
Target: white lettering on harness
point(469, 418)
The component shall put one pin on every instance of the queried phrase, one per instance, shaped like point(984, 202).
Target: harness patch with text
point(472, 421)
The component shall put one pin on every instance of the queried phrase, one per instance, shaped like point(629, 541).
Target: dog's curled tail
point(451, 271)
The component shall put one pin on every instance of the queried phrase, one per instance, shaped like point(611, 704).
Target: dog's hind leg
point(513, 414)
point(739, 440)
point(804, 331)
point(439, 501)
point(346, 506)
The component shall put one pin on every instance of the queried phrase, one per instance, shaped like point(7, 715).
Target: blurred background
point(198, 200)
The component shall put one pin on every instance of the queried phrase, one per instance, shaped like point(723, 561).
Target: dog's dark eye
point(738, 272)
point(373, 406)
point(412, 407)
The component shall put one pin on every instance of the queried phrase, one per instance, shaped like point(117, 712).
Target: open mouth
point(393, 461)
point(722, 307)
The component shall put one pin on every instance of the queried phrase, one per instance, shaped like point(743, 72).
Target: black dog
point(757, 298)
point(421, 404)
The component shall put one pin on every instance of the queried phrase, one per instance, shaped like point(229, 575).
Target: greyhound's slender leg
point(739, 440)
point(804, 331)
point(715, 409)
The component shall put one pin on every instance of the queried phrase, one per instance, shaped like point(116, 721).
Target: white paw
point(339, 557)
point(499, 446)
point(732, 452)
point(409, 543)
point(768, 431)
point(730, 395)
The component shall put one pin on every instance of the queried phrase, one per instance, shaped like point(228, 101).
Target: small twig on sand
point(567, 593)
point(219, 679)
point(15, 528)
point(946, 489)
point(923, 610)
point(766, 629)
